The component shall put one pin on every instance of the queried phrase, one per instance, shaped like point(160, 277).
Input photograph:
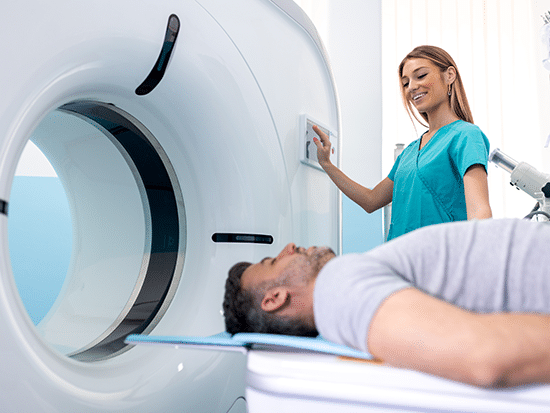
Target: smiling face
point(425, 86)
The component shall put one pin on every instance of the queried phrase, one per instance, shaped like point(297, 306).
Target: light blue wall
point(40, 241)
point(361, 232)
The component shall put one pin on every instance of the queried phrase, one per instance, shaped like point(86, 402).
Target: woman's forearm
point(368, 199)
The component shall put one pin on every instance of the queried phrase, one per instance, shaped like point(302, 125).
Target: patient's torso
point(483, 266)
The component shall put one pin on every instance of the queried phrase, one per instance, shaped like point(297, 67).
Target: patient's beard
point(321, 256)
point(316, 261)
point(303, 270)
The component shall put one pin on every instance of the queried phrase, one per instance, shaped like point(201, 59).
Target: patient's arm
point(414, 330)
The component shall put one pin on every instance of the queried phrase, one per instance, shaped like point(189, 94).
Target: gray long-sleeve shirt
point(483, 266)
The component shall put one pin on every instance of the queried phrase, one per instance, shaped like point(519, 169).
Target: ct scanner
point(177, 129)
point(174, 127)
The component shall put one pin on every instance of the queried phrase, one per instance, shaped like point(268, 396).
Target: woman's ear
point(274, 299)
point(450, 75)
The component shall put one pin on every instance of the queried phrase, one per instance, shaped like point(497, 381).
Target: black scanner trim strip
point(158, 70)
point(3, 207)
point(242, 238)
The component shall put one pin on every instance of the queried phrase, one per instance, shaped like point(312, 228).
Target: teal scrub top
point(428, 186)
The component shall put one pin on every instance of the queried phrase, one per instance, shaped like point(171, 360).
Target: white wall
point(34, 163)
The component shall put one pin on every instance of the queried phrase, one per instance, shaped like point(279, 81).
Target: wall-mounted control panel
point(308, 149)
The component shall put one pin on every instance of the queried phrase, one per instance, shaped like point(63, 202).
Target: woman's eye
point(422, 76)
point(405, 85)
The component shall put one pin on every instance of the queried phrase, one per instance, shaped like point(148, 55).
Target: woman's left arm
point(476, 192)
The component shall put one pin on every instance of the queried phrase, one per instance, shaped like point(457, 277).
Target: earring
point(449, 91)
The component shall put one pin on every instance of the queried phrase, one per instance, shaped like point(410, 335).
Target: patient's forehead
point(255, 275)
point(267, 270)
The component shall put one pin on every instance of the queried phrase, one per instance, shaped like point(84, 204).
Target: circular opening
point(104, 230)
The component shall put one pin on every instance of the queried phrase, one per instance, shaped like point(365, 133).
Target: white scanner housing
point(174, 128)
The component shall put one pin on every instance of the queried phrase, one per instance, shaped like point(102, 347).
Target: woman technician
point(440, 177)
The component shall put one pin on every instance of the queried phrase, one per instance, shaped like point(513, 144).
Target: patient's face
point(285, 285)
point(293, 264)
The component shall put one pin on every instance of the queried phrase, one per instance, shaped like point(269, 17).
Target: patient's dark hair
point(243, 313)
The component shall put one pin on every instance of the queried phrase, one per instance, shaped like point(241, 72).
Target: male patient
point(466, 301)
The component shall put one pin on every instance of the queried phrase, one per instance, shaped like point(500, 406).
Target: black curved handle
point(157, 73)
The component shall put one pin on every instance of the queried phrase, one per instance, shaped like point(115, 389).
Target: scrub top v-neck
point(428, 186)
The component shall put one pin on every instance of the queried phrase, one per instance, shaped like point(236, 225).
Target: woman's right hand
point(324, 147)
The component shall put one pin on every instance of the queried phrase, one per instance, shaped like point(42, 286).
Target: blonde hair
point(442, 59)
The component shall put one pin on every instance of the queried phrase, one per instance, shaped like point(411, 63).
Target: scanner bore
point(155, 283)
point(165, 225)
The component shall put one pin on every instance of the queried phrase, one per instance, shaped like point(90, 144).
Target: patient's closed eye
point(268, 258)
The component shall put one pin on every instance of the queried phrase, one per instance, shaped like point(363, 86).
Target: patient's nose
point(287, 250)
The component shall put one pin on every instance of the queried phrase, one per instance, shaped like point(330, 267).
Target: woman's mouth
point(418, 96)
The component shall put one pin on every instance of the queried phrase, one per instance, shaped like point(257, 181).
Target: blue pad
point(243, 341)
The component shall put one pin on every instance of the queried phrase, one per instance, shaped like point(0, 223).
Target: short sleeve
point(348, 292)
point(471, 148)
point(391, 175)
